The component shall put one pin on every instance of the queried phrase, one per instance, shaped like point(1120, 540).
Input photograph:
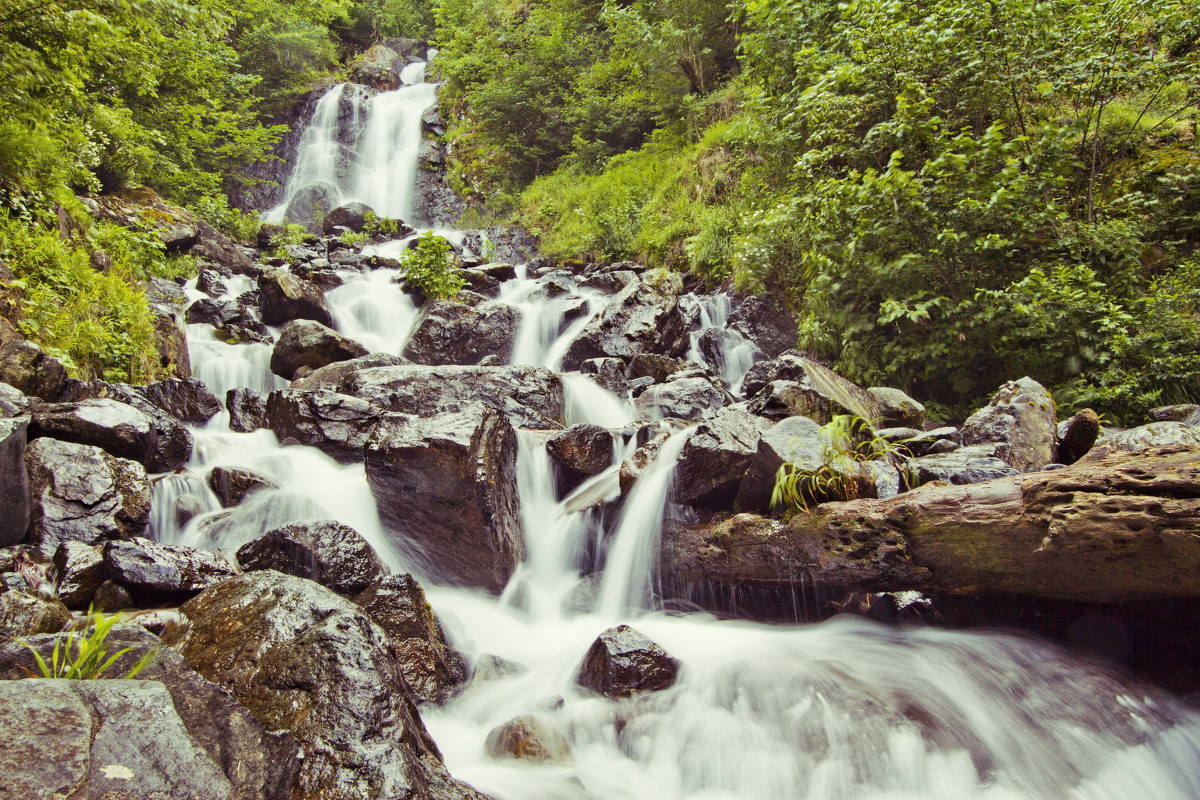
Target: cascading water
point(844, 710)
point(715, 345)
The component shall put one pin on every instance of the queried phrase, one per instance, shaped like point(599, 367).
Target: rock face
point(530, 397)
point(14, 481)
point(81, 493)
point(328, 552)
point(116, 738)
point(819, 393)
point(1106, 529)
point(258, 765)
point(378, 68)
point(335, 423)
point(622, 662)
point(454, 333)
point(304, 343)
point(580, 452)
point(26, 366)
point(1156, 434)
point(1020, 419)
point(302, 659)
point(433, 669)
point(447, 482)
point(284, 297)
point(529, 738)
point(642, 317)
point(765, 321)
point(716, 457)
point(156, 572)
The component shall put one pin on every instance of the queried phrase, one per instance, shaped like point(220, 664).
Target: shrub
point(430, 267)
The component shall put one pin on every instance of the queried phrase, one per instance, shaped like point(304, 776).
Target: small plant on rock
point(90, 660)
point(430, 267)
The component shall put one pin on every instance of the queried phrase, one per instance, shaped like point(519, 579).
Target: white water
point(844, 710)
point(735, 353)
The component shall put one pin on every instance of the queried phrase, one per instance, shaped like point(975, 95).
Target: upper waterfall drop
point(362, 146)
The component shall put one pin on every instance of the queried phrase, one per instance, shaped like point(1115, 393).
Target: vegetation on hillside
point(949, 193)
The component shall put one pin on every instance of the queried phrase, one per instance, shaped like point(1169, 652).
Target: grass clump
point(85, 653)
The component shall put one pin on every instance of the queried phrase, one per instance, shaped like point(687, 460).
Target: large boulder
point(232, 321)
point(26, 613)
point(1020, 420)
point(795, 440)
point(247, 410)
point(331, 376)
point(92, 418)
point(304, 343)
point(258, 765)
point(352, 216)
point(108, 738)
point(214, 247)
point(896, 408)
point(530, 397)
point(328, 552)
point(285, 297)
point(580, 452)
point(304, 660)
point(764, 320)
point(622, 662)
point(81, 493)
point(187, 400)
point(141, 209)
point(1144, 437)
point(1077, 435)
point(690, 398)
point(79, 572)
point(821, 393)
point(643, 316)
point(433, 669)
point(154, 572)
point(715, 458)
point(232, 485)
point(337, 424)
point(448, 484)
point(378, 68)
point(117, 428)
point(454, 333)
point(27, 367)
point(309, 205)
point(14, 481)
point(1107, 529)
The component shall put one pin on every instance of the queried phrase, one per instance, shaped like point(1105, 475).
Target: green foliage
point(97, 322)
point(430, 267)
point(91, 659)
point(352, 238)
point(375, 224)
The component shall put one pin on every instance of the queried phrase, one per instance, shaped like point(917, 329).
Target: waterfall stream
point(843, 710)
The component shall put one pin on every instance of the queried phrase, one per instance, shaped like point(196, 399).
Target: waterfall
point(843, 710)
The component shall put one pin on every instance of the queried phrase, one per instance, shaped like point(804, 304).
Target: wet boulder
point(1019, 419)
point(580, 452)
point(654, 366)
point(433, 669)
point(81, 493)
point(337, 424)
point(13, 402)
point(448, 483)
point(258, 765)
point(117, 428)
point(378, 68)
point(531, 397)
point(25, 366)
point(154, 572)
point(896, 408)
point(305, 660)
point(309, 205)
point(685, 398)
point(643, 316)
point(766, 321)
point(821, 393)
point(528, 738)
point(14, 481)
point(454, 333)
point(352, 216)
point(330, 377)
point(304, 343)
point(715, 458)
point(26, 613)
point(233, 323)
point(326, 551)
point(608, 373)
point(80, 571)
point(622, 662)
point(111, 738)
point(214, 247)
point(796, 440)
point(232, 485)
point(631, 469)
point(247, 410)
point(172, 442)
point(963, 465)
point(187, 400)
point(285, 297)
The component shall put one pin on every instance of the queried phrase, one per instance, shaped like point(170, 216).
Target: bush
point(430, 267)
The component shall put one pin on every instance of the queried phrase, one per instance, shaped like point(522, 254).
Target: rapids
point(842, 710)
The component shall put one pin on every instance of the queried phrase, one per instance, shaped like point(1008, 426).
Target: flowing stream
point(843, 710)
